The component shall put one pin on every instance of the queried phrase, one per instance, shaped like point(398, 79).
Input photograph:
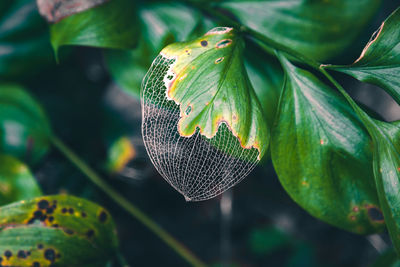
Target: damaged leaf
point(55, 10)
point(59, 230)
point(203, 125)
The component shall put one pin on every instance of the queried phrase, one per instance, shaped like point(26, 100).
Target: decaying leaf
point(203, 125)
point(55, 10)
point(56, 231)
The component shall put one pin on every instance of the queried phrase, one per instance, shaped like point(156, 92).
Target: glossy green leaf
point(59, 230)
point(322, 154)
point(110, 25)
point(386, 162)
point(24, 40)
point(16, 181)
point(203, 125)
point(319, 29)
point(24, 129)
point(266, 76)
point(379, 62)
point(161, 24)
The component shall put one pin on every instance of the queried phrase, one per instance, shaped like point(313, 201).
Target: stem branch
point(184, 252)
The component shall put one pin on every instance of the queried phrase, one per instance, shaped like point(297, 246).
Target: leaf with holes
point(379, 62)
point(110, 25)
point(322, 154)
point(24, 129)
point(319, 29)
point(203, 125)
point(16, 181)
point(161, 24)
point(24, 41)
point(60, 230)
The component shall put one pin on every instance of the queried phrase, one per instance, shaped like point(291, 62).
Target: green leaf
point(24, 129)
point(161, 24)
point(24, 40)
point(16, 181)
point(388, 258)
point(110, 25)
point(386, 161)
point(379, 62)
point(59, 230)
point(266, 76)
point(322, 154)
point(201, 116)
point(319, 29)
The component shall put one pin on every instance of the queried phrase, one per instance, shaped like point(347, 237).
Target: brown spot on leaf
point(219, 60)
point(51, 219)
point(223, 43)
point(204, 43)
point(43, 204)
point(64, 210)
point(103, 216)
point(69, 231)
point(71, 211)
point(375, 214)
point(90, 233)
point(40, 246)
point(50, 254)
point(49, 210)
point(84, 215)
point(22, 254)
point(36, 264)
point(8, 254)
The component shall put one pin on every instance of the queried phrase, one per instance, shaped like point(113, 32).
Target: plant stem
point(125, 204)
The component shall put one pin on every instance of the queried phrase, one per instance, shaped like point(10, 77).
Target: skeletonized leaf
point(203, 125)
point(322, 154)
point(24, 129)
point(59, 230)
point(379, 62)
point(317, 28)
point(109, 25)
point(16, 181)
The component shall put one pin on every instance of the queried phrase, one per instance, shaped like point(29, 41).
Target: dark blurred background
point(254, 224)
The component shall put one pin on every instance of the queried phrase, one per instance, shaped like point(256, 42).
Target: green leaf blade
point(318, 29)
point(322, 154)
point(109, 25)
point(379, 63)
point(24, 128)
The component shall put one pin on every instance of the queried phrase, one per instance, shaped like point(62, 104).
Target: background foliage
point(90, 100)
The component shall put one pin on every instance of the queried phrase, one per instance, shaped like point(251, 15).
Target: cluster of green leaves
point(37, 230)
point(333, 159)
